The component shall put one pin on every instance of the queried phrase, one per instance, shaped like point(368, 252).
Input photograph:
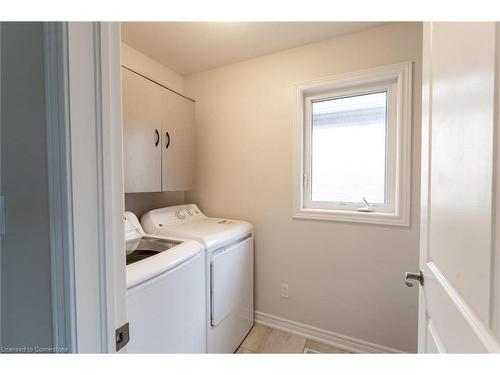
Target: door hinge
point(122, 336)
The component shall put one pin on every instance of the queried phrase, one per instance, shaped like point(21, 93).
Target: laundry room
point(250, 187)
point(209, 120)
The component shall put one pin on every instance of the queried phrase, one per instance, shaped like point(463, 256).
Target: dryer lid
point(187, 221)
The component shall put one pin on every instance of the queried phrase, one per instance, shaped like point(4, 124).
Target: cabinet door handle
point(157, 137)
point(168, 140)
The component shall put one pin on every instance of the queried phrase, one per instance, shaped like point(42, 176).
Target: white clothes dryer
point(229, 269)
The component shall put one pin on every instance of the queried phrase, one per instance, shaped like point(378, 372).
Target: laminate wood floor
point(262, 339)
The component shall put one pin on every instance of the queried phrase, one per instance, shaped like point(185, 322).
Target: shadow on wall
point(25, 259)
point(140, 203)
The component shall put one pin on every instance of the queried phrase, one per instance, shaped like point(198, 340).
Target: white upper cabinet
point(158, 130)
point(143, 111)
point(178, 143)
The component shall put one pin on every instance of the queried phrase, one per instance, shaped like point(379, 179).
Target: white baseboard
point(321, 335)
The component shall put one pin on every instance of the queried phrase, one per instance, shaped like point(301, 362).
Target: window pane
point(349, 149)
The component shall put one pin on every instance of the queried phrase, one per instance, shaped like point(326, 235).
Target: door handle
point(414, 276)
point(168, 140)
point(157, 137)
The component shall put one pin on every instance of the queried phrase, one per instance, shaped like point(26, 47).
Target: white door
point(231, 279)
point(178, 142)
point(143, 111)
point(458, 300)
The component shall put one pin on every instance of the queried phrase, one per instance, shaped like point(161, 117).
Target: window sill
point(380, 218)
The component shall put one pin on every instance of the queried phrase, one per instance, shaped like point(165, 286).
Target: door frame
point(59, 186)
point(84, 133)
point(2, 217)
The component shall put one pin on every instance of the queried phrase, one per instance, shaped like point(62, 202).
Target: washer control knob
point(190, 212)
point(181, 215)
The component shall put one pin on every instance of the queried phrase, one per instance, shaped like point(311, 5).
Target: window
point(348, 149)
point(354, 141)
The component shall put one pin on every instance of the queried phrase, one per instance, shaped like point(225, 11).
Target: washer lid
point(152, 267)
point(133, 232)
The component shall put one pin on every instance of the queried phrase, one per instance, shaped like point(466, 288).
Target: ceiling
point(191, 47)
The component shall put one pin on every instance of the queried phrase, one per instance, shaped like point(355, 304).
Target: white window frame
point(396, 81)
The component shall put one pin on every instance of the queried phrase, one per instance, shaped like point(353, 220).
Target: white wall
point(26, 289)
point(345, 278)
point(145, 65)
point(140, 203)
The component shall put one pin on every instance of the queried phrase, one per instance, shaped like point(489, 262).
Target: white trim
point(495, 262)
point(112, 178)
point(101, 234)
point(425, 175)
point(59, 186)
point(347, 343)
point(401, 74)
point(97, 183)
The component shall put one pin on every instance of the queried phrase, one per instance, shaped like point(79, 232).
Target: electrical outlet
point(284, 290)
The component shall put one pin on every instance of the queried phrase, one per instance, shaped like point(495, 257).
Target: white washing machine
point(166, 296)
point(229, 269)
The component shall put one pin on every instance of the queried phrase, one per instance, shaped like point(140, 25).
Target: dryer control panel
point(162, 218)
point(184, 213)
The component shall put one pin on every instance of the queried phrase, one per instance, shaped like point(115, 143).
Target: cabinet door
point(142, 116)
point(178, 143)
